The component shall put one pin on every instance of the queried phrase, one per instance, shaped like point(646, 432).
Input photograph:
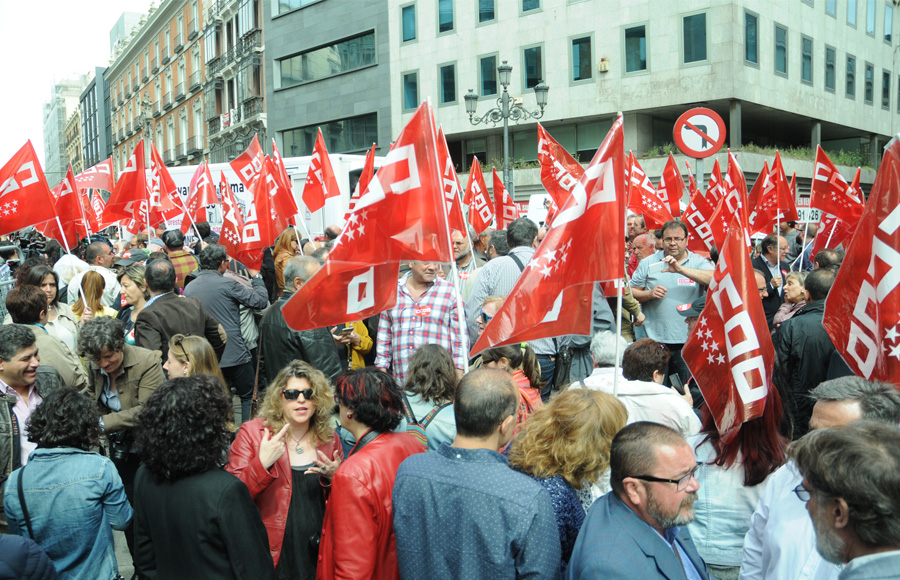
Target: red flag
point(450, 186)
point(99, 176)
point(69, 212)
point(730, 351)
point(261, 224)
point(201, 194)
point(281, 199)
point(364, 178)
point(130, 195)
point(98, 206)
point(830, 192)
point(697, 217)
point(163, 191)
point(787, 206)
point(559, 170)
point(504, 208)
point(714, 187)
point(671, 187)
point(249, 163)
point(862, 311)
point(481, 213)
point(281, 171)
point(763, 201)
point(320, 181)
point(733, 203)
point(399, 216)
point(232, 219)
point(553, 296)
point(644, 200)
point(87, 212)
point(832, 233)
point(25, 198)
point(552, 210)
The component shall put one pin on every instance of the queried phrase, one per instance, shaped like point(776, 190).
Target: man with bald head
point(638, 530)
point(501, 520)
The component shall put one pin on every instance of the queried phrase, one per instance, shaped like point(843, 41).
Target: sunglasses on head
point(294, 394)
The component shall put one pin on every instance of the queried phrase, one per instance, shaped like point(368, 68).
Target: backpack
point(417, 428)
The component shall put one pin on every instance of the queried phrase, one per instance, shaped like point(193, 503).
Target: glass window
point(635, 49)
point(288, 5)
point(530, 5)
point(581, 59)
point(829, 68)
point(488, 75)
point(888, 22)
point(870, 17)
point(885, 89)
point(445, 15)
point(695, 38)
point(486, 10)
point(328, 61)
point(851, 13)
point(831, 7)
point(806, 67)
point(410, 90)
point(851, 77)
point(534, 70)
point(870, 84)
point(524, 145)
point(781, 50)
point(341, 136)
point(408, 18)
point(751, 38)
point(448, 83)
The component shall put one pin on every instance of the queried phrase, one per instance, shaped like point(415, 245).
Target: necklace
point(298, 448)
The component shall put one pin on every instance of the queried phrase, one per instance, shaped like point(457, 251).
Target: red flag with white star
point(730, 352)
point(364, 178)
point(99, 176)
point(671, 187)
point(643, 198)
point(559, 170)
point(831, 193)
point(504, 207)
point(862, 311)
point(481, 213)
point(232, 219)
point(249, 163)
point(553, 296)
point(321, 183)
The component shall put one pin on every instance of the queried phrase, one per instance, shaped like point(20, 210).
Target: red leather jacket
point(358, 536)
point(271, 490)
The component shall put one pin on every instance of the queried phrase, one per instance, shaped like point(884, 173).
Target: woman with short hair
point(135, 294)
point(61, 321)
point(795, 298)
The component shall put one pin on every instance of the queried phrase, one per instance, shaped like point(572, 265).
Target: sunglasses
point(485, 317)
point(179, 339)
point(294, 394)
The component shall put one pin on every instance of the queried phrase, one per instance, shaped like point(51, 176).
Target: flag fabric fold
point(25, 198)
point(99, 176)
point(69, 211)
point(450, 186)
point(505, 209)
point(481, 212)
point(202, 193)
point(129, 200)
point(671, 187)
point(321, 183)
point(559, 170)
point(248, 164)
point(643, 198)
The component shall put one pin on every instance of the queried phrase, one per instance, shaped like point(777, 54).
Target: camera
point(119, 446)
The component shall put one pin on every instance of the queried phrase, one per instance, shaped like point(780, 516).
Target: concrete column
point(638, 133)
point(815, 134)
point(874, 151)
point(734, 121)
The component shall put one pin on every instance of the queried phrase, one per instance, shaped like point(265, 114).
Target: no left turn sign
point(699, 132)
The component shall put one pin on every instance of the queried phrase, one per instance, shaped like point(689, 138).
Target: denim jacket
point(73, 497)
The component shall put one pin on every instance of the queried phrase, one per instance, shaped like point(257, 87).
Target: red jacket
point(358, 537)
point(271, 490)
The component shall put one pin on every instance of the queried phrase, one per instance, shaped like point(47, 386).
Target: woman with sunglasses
point(287, 457)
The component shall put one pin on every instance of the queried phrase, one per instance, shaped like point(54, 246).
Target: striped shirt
point(433, 319)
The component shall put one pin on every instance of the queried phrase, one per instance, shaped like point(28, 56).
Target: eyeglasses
point(670, 240)
point(803, 494)
point(294, 394)
point(680, 483)
point(485, 317)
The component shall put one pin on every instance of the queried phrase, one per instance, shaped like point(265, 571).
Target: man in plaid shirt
point(426, 313)
point(184, 261)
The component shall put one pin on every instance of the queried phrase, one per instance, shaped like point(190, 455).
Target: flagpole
point(831, 233)
point(62, 234)
point(620, 288)
point(305, 231)
point(806, 245)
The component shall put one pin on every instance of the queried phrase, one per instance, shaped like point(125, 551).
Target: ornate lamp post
point(505, 110)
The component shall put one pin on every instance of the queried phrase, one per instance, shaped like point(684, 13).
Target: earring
point(349, 415)
point(184, 372)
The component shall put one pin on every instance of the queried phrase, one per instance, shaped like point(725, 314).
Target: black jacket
point(802, 353)
point(173, 314)
point(774, 299)
point(281, 344)
point(22, 559)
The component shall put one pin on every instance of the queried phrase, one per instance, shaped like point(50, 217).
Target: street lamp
point(504, 111)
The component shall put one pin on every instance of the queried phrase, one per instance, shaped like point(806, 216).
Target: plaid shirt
point(184, 263)
point(410, 324)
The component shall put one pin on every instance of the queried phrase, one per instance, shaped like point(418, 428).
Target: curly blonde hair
point(570, 437)
point(271, 409)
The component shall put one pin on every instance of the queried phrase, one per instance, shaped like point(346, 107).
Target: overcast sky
point(44, 41)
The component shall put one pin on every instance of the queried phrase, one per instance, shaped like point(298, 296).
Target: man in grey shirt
point(665, 280)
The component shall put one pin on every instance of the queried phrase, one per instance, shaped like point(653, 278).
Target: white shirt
point(781, 542)
point(23, 410)
point(111, 293)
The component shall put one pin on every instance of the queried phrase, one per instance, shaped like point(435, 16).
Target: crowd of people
point(154, 387)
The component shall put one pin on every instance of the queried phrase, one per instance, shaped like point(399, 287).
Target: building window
point(635, 49)
point(851, 13)
point(288, 5)
point(830, 58)
point(448, 83)
point(410, 90)
point(486, 11)
point(806, 66)
point(408, 19)
point(319, 63)
point(694, 38)
point(810, 2)
point(780, 50)
point(870, 84)
point(581, 59)
point(488, 73)
point(751, 38)
point(445, 16)
point(831, 7)
point(529, 5)
point(534, 69)
point(870, 17)
point(888, 22)
point(885, 89)
point(341, 136)
point(851, 77)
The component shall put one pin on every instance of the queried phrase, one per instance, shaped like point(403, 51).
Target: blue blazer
point(615, 543)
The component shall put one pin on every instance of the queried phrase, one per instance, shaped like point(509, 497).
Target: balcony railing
point(251, 40)
point(252, 107)
point(129, 128)
point(195, 145)
point(193, 31)
point(121, 134)
point(165, 55)
point(155, 67)
point(179, 42)
point(145, 77)
point(214, 11)
point(157, 109)
point(194, 83)
point(179, 91)
point(169, 157)
point(214, 65)
point(214, 125)
point(167, 101)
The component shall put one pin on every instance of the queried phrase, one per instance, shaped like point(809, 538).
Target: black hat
point(693, 309)
point(173, 239)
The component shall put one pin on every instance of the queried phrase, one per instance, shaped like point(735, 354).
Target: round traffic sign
point(699, 132)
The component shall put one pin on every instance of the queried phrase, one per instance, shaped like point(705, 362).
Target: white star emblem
point(711, 358)
point(891, 333)
point(546, 271)
point(895, 352)
point(705, 346)
point(721, 360)
point(350, 233)
point(361, 229)
point(715, 345)
point(550, 256)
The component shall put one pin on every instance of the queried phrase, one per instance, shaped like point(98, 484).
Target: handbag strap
point(434, 411)
point(407, 409)
point(22, 503)
point(259, 351)
point(518, 262)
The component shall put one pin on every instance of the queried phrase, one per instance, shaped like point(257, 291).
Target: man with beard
point(466, 261)
point(637, 530)
point(851, 486)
